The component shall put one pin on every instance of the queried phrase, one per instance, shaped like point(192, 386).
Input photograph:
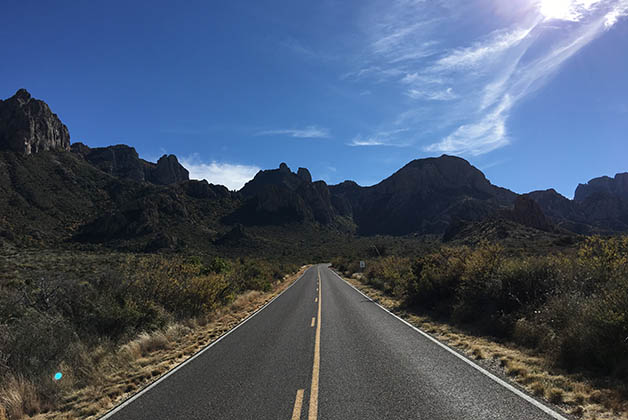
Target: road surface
point(327, 352)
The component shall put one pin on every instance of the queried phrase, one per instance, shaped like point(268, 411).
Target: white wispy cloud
point(232, 176)
point(381, 138)
point(309, 132)
point(469, 90)
point(359, 141)
point(480, 52)
point(435, 95)
point(478, 137)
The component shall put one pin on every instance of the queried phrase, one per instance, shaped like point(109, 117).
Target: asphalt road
point(327, 353)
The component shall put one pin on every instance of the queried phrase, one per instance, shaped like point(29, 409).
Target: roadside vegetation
point(93, 317)
point(570, 308)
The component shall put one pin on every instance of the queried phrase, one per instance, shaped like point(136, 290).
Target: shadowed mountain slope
point(424, 196)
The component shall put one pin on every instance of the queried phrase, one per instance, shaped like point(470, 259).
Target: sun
point(558, 9)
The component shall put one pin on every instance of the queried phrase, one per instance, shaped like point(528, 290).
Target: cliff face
point(123, 161)
point(27, 125)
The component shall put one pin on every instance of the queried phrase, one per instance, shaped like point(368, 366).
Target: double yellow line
point(313, 412)
point(298, 403)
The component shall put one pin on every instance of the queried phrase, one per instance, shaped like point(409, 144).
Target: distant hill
point(424, 196)
point(599, 206)
point(53, 192)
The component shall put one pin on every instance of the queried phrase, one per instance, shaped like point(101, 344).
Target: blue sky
point(532, 92)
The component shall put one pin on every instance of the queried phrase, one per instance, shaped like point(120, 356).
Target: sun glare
point(558, 9)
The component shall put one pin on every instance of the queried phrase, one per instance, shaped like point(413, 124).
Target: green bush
point(391, 274)
point(573, 306)
point(53, 318)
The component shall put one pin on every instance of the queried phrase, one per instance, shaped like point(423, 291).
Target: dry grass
point(532, 371)
point(18, 398)
point(477, 353)
point(555, 395)
point(138, 362)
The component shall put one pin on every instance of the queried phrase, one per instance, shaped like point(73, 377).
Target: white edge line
point(128, 401)
point(501, 382)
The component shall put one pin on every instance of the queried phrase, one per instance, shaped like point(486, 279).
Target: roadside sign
point(362, 264)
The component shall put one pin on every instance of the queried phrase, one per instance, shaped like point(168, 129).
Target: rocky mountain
point(424, 196)
point(124, 162)
point(53, 193)
point(599, 206)
point(280, 196)
point(28, 126)
point(616, 187)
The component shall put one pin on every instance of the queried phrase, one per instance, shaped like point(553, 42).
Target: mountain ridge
point(109, 195)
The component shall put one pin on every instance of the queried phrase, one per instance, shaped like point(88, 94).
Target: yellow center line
point(313, 411)
point(298, 402)
point(313, 321)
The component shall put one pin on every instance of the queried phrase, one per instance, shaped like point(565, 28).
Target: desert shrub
point(436, 279)
point(391, 274)
point(346, 265)
point(573, 306)
point(55, 320)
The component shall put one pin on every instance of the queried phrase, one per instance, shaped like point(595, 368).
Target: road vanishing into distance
point(322, 350)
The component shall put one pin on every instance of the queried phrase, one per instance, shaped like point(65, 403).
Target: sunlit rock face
point(27, 125)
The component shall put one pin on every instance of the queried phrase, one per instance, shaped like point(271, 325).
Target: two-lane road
point(322, 350)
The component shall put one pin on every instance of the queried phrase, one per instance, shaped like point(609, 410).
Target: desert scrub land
point(111, 323)
point(555, 324)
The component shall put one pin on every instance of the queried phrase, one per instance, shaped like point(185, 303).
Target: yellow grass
point(18, 398)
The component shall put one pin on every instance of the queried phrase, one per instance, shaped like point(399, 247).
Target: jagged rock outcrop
point(168, 170)
point(280, 196)
point(27, 125)
point(124, 162)
point(304, 174)
point(282, 177)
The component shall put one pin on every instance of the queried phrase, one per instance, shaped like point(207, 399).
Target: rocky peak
point(282, 177)
point(167, 171)
point(27, 125)
point(22, 95)
point(304, 174)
